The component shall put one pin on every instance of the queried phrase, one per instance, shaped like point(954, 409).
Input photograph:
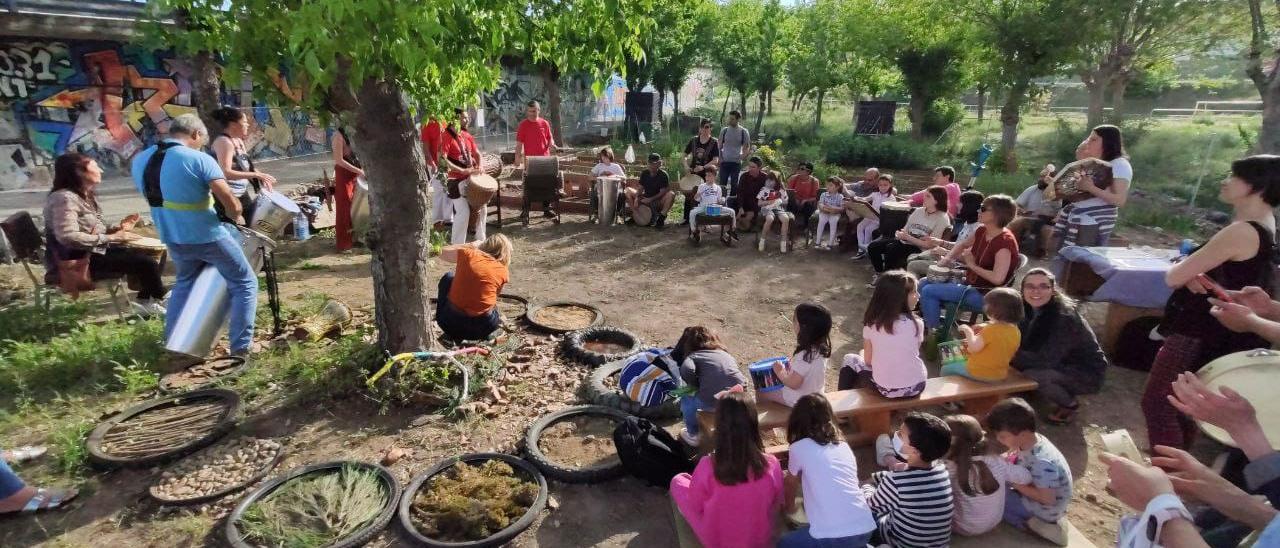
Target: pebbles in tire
point(575, 445)
point(216, 471)
point(597, 345)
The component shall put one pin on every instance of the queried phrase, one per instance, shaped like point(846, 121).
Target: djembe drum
point(893, 217)
point(151, 247)
point(480, 189)
point(1066, 186)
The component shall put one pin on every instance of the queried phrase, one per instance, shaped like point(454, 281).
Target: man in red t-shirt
point(534, 138)
point(806, 187)
point(462, 158)
point(441, 208)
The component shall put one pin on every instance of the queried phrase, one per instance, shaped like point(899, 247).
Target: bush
point(942, 114)
point(894, 152)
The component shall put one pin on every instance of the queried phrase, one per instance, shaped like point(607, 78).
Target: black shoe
point(242, 354)
point(547, 213)
point(660, 222)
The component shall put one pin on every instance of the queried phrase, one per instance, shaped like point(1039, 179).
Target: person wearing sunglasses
point(990, 255)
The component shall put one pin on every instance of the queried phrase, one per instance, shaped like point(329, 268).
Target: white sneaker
point(761, 244)
point(782, 246)
point(689, 439)
point(1055, 532)
point(824, 247)
point(148, 308)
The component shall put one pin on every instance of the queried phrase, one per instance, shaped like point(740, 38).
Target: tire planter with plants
point(563, 317)
point(596, 345)
point(163, 429)
point(414, 509)
point(597, 444)
point(260, 512)
point(600, 393)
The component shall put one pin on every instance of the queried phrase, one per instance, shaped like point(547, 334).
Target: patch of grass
point(308, 265)
point(135, 378)
point(25, 321)
point(68, 449)
point(1143, 214)
point(82, 358)
point(313, 370)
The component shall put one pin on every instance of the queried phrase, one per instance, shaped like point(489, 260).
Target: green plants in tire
point(596, 345)
point(332, 505)
point(642, 384)
point(473, 500)
point(575, 444)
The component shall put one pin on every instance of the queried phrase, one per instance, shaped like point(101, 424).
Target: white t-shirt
point(709, 194)
point(607, 169)
point(1120, 169)
point(815, 376)
point(921, 223)
point(895, 358)
point(978, 514)
point(877, 198)
point(766, 203)
point(833, 501)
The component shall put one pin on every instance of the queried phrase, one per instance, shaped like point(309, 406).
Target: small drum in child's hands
point(952, 352)
point(762, 374)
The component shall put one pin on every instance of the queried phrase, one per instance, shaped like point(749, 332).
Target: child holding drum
point(807, 371)
point(991, 345)
point(891, 336)
point(710, 195)
point(884, 192)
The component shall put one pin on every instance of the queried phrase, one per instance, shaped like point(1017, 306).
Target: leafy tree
point(362, 60)
point(816, 64)
point(932, 57)
point(930, 73)
point(1134, 36)
point(736, 45)
point(1029, 39)
point(671, 50)
point(1263, 73)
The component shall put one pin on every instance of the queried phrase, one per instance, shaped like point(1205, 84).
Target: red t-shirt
point(476, 282)
point(806, 187)
point(461, 151)
point(984, 254)
point(535, 136)
point(431, 138)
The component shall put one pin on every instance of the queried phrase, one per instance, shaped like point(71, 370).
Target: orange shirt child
point(477, 281)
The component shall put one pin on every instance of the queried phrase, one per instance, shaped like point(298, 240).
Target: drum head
point(281, 201)
point(1253, 375)
point(484, 181)
point(642, 215)
point(864, 210)
point(689, 182)
point(542, 165)
point(144, 242)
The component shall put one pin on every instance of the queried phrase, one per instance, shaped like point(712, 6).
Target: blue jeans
point(689, 406)
point(10, 483)
point(932, 297)
point(455, 323)
point(1015, 512)
point(729, 177)
point(226, 255)
point(800, 538)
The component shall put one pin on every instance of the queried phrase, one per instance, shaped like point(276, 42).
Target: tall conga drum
point(480, 189)
point(893, 217)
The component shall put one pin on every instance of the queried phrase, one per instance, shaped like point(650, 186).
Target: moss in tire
point(558, 471)
point(600, 393)
point(597, 345)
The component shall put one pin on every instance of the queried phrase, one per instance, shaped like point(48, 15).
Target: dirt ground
point(650, 282)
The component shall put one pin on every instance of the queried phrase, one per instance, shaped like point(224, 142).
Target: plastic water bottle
point(301, 227)
point(1186, 247)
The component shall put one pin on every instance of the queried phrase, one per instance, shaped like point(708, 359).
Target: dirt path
point(652, 283)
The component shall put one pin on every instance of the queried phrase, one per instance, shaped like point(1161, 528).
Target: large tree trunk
point(386, 136)
point(206, 89)
point(1097, 93)
point(1118, 87)
point(551, 81)
point(1266, 82)
point(662, 100)
point(770, 102)
point(817, 114)
point(982, 102)
point(1269, 136)
point(724, 111)
point(742, 101)
point(916, 114)
point(1009, 117)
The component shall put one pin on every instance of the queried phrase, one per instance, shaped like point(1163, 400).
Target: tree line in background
point(377, 67)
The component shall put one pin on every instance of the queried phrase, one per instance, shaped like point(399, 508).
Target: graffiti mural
point(111, 100)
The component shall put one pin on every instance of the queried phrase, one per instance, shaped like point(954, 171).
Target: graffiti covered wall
point(110, 100)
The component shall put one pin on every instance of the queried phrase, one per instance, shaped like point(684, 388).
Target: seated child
point(807, 373)
point(966, 219)
point(891, 336)
point(979, 477)
point(822, 467)
point(991, 345)
point(773, 206)
point(913, 506)
point(709, 193)
point(733, 496)
point(706, 366)
point(1040, 506)
point(830, 207)
point(885, 192)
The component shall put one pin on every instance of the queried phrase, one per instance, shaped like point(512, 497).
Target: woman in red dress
point(346, 167)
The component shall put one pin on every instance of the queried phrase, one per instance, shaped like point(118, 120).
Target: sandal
point(46, 499)
point(23, 454)
point(1063, 415)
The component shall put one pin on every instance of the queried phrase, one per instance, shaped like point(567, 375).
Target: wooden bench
point(872, 413)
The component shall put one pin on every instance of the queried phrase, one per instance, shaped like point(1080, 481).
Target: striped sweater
point(914, 507)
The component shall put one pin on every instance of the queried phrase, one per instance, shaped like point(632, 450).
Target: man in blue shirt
point(182, 207)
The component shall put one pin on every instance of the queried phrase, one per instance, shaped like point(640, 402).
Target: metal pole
point(1204, 166)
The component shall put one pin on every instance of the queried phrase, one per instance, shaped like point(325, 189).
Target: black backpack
point(649, 452)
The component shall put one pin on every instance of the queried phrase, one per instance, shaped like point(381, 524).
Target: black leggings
point(889, 253)
point(124, 262)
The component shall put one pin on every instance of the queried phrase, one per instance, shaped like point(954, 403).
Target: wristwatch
point(1161, 510)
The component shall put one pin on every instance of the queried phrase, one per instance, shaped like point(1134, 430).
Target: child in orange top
point(991, 345)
